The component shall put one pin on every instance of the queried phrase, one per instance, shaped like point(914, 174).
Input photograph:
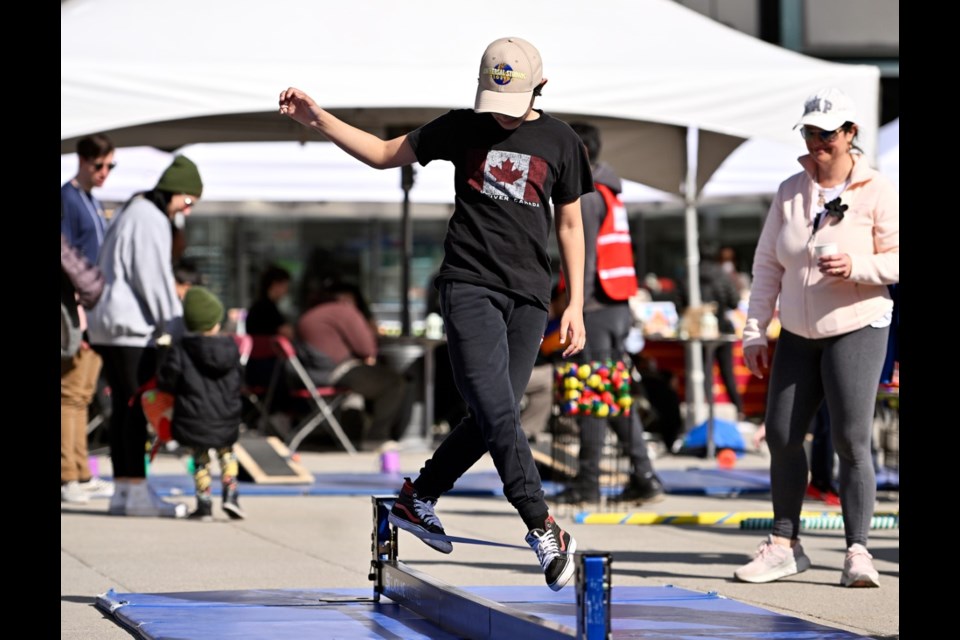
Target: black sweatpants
point(493, 339)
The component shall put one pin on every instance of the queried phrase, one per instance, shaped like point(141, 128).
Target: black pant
point(127, 369)
point(843, 371)
point(607, 330)
point(388, 395)
point(493, 340)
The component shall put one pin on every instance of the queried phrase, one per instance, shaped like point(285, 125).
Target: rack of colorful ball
point(600, 389)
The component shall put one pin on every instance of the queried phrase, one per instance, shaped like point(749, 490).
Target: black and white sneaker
point(204, 510)
point(412, 513)
point(231, 503)
point(554, 548)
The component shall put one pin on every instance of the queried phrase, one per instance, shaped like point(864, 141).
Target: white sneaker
point(772, 562)
point(98, 487)
point(118, 501)
point(143, 501)
point(858, 570)
point(72, 493)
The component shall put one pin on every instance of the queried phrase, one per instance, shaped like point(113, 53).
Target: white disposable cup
point(827, 249)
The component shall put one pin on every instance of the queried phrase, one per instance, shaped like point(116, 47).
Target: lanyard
point(94, 210)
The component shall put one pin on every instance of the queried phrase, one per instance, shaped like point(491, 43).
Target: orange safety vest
point(615, 265)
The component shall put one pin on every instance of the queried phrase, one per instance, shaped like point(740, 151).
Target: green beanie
point(201, 309)
point(181, 176)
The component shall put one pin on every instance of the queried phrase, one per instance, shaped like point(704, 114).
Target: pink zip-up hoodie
point(814, 305)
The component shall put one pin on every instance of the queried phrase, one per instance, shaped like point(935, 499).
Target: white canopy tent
point(182, 72)
point(319, 172)
point(888, 157)
point(673, 91)
point(288, 172)
point(758, 166)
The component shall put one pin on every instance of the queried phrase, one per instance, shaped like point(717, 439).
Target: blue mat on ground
point(739, 481)
point(637, 612)
point(478, 483)
point(726, 482)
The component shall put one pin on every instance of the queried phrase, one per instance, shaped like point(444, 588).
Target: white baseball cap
point(510, 71)
point(827, 109)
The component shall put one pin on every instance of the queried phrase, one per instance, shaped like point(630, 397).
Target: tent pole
point(406, 252)
point(694, 355)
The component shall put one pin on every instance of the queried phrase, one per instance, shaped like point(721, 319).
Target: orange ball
point(726, 458)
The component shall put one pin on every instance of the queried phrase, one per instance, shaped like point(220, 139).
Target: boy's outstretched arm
point(570, 238)
point(365, 147)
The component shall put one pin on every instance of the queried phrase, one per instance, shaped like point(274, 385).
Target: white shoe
point(72, 493)
point(98, 487)
point(858, 570)
point(118, 501)
point(772, 562)
point(143, 501)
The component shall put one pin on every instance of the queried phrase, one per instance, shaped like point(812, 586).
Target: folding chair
point(324, 399)
point(244, 346)
point(259, 358)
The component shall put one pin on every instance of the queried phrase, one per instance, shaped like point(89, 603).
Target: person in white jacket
point(830, 246)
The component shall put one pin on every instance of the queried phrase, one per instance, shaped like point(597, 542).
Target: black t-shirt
point(264, 318)
point(505, 181)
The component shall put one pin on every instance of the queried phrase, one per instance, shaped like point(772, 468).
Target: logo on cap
point(503, 73)
point(817, 104)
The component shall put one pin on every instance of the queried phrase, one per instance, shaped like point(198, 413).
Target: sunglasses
point(825, 136)
point(98, 166)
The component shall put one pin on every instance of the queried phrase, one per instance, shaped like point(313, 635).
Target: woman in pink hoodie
point(829, 248)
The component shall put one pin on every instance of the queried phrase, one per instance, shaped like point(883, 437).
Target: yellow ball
point(583, 372)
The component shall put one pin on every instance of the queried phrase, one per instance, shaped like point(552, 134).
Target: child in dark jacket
point(203, 373)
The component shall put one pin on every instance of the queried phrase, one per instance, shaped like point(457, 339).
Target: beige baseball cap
point(510, 70)
point(827, 109)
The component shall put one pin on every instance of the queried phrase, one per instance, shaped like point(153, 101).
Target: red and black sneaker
point(829, 496)
point(554, 548)
point(412, 513)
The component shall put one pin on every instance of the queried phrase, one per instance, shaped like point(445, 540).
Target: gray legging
point(845, 370)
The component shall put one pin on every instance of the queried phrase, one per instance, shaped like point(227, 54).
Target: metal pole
point(406, 232)
point(695, 374)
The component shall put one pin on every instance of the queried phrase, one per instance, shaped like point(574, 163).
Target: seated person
point(263, 321)
point(264, 317)
point(338, 346)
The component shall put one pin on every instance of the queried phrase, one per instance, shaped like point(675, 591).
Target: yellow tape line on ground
point(703, 517)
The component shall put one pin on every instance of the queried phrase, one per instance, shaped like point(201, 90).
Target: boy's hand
point(572, 332)
point(297, 105)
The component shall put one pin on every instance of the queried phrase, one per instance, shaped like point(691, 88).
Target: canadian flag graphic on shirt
point(505, 174)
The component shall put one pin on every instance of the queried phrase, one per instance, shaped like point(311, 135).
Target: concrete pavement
point(324, 541)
